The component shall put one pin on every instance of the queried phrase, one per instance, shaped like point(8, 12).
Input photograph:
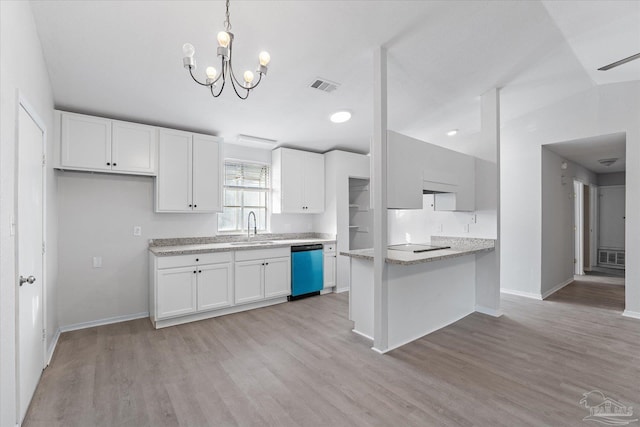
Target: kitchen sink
point(251, 243)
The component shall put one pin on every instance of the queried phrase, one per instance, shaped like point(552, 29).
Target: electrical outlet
point(137, 230)
point(97, 262)
point(466, 228)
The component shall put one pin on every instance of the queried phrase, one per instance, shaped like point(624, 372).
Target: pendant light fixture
point(225, 49)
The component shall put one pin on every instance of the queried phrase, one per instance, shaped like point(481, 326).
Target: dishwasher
point(307, 278)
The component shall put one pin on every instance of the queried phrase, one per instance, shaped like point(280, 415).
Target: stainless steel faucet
point(255, 225)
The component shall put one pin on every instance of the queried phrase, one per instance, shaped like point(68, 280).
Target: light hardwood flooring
point(298, 364)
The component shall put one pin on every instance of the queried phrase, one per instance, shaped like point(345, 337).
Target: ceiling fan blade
point(617, 63)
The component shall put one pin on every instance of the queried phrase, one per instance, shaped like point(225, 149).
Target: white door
point(612, 217)
point(173, 184)
point(133, 148)
point(206, 174)
point(86, 142)
point(176, 291)
point(277, 277)
point(248, 281)
point(314, 183)
point(215, 286)
point(30, 226)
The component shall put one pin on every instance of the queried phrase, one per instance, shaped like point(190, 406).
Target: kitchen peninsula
point(427, 290)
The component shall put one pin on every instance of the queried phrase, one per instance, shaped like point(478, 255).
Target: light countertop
point(205, 245)
point(459, 247)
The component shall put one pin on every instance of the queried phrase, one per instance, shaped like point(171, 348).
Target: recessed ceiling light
point(452, 132)
point(340, 117)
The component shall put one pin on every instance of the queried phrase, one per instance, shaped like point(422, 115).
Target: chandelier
point(225, 49)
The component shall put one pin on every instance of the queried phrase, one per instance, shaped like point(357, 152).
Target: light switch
point(97, 262)
point(137, 230)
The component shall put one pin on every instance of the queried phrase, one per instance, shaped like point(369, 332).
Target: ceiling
point(123, 59)
point(587, 151)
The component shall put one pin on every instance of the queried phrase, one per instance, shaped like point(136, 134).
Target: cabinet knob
point(195, 206)
point(190, 206)
point(194, 272)
point(199, 271)
point(197, 259)
point(266, 263)
point(108, 164)
point(115, 164)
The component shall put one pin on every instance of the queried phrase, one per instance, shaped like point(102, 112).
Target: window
point(246, 189)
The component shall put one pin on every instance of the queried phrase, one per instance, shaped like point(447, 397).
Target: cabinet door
point(329, 271)
point(292, 183)
point(248, 281)
point(214, 286)
point(206, 174)
point(85, 142)
point(133, 148)
point(314, 183)
point(277, 277)
point(176, 292)
point(173, 185)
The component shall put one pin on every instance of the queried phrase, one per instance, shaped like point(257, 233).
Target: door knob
point(29, 280)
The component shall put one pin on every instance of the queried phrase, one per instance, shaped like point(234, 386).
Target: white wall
point(97, 213)
point(615, 178)
point(22, 67)
point(611, 203)
point(594, 111)
point(558, 218)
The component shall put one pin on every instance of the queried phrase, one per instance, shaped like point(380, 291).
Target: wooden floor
point(298, 364)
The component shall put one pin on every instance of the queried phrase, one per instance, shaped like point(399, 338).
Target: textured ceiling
point(123, 59)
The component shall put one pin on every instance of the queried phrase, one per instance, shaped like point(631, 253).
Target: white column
point(379, 186)
point(488, 264)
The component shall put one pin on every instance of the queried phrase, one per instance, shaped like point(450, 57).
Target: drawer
point(329, 248)
point(253, 254)
point(193, 259)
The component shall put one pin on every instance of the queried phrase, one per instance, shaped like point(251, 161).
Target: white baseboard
point(362, 335)
point(521, 294)
point(488, 311)
point(632, 314)
point(52, 346)
point(108, 321)
point(556, 288)
point(341, 290)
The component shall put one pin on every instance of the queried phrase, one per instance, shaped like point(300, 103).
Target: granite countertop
point(460, 246)
point(198, 245)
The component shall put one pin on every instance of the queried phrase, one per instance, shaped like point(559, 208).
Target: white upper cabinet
point(85, 142)
point(414, 166)
point(104, 145)
point(189, 172)
point(133, 148)
point(298, 181)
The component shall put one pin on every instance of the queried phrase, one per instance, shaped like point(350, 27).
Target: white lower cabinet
point(193, 287)
point(329, 266)
point(249, 278)
point(176, 292)
point(215, 286)
point(262, 274)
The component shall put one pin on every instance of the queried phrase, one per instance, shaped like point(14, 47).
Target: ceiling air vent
point(324, 85)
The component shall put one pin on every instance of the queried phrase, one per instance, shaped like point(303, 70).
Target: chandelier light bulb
point(211, 73)
point(248, 77)
point(224, 38)
point(188, 50)
point(264, 58)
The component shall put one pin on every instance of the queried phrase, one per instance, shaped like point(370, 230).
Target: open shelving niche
point(360, 214)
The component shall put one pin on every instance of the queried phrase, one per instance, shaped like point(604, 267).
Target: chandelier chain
point(227, 21)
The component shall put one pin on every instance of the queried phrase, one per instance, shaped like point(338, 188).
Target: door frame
point(22, 102)
point(578, 227)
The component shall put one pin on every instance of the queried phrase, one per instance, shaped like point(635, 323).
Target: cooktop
point(416, 247)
